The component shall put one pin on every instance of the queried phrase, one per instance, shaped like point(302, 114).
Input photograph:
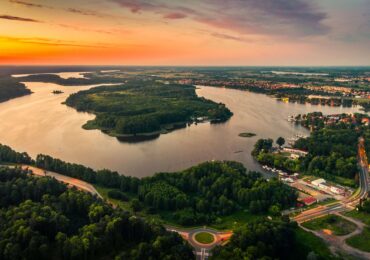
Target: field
point(308, 242)
point(204, 238)
point(337, 225)
point(362, 216)
point(360, 241)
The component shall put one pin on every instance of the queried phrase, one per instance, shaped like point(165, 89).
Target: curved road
point(81, 185)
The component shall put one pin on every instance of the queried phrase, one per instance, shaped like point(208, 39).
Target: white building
point(318, 182)
point(337, 190)
point(295, 151)
point(323, 186)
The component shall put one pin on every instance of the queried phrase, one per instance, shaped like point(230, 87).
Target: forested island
point(11, 88)
point(145, 107)
point(93, 78)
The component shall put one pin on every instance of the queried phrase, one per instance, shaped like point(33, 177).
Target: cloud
point(28, 4)
point(70, 10)
point(16, 18)
point(276, 17)
point(175, 16)
point(82, 29)
point(83, 12)
point(48, 42)
point(228, 37)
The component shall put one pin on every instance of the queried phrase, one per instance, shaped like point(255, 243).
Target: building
point(337, 190)
point(318, 182)
point(323, 186)
point(295, 151)
point(309, 201)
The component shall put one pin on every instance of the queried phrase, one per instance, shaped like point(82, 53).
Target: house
point(365, 121)
point(290, 180)
point(309, 200)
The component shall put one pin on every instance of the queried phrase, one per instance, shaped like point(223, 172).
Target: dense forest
point(11, 88)
point(7, 154)
point(197, 195)
point(144, 107)
point(194, 196)
point(259, 240)
point(41, 219)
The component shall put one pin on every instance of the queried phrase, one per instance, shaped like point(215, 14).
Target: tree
point(280, 141)
point(136, 205)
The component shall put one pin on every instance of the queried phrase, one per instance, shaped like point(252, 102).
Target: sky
point(186, 32)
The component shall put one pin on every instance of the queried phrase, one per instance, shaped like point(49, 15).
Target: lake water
point(63, 75)
point(39, 123)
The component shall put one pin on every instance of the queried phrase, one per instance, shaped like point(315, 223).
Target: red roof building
point(309, 200)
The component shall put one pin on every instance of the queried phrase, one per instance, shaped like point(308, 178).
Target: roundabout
point(203, 240)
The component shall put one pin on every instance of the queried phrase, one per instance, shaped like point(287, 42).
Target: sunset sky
point(187, 32)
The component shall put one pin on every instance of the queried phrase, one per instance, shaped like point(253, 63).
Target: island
point(145, 108)
point(247, 134)
point(57, 92)
point(11, 88)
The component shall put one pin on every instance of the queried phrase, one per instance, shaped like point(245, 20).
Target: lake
point(40, 123)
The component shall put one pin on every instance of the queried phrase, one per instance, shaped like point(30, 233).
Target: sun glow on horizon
point(162, 32)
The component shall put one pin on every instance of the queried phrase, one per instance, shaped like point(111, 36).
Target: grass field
point(204, 238)
point(308, 242)
point(104, 192)
point(337, 225)
point(362, 216)
point(360, 241)
point(234, 220)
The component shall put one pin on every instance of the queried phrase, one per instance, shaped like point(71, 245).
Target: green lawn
point(204, 238)
point(362, 216)
point(360, 241)
point(308, 242)
point(345, 181)
point(336, 224)
point(104, 192)
point(235, 220)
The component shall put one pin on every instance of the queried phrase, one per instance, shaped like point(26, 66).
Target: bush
point(118, 195)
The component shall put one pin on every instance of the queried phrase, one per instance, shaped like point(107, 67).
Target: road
point(347, 204)
point(82, 185)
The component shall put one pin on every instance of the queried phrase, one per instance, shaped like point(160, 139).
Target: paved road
point(82, 185)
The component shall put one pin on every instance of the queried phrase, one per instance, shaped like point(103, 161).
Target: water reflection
point(40, 123)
